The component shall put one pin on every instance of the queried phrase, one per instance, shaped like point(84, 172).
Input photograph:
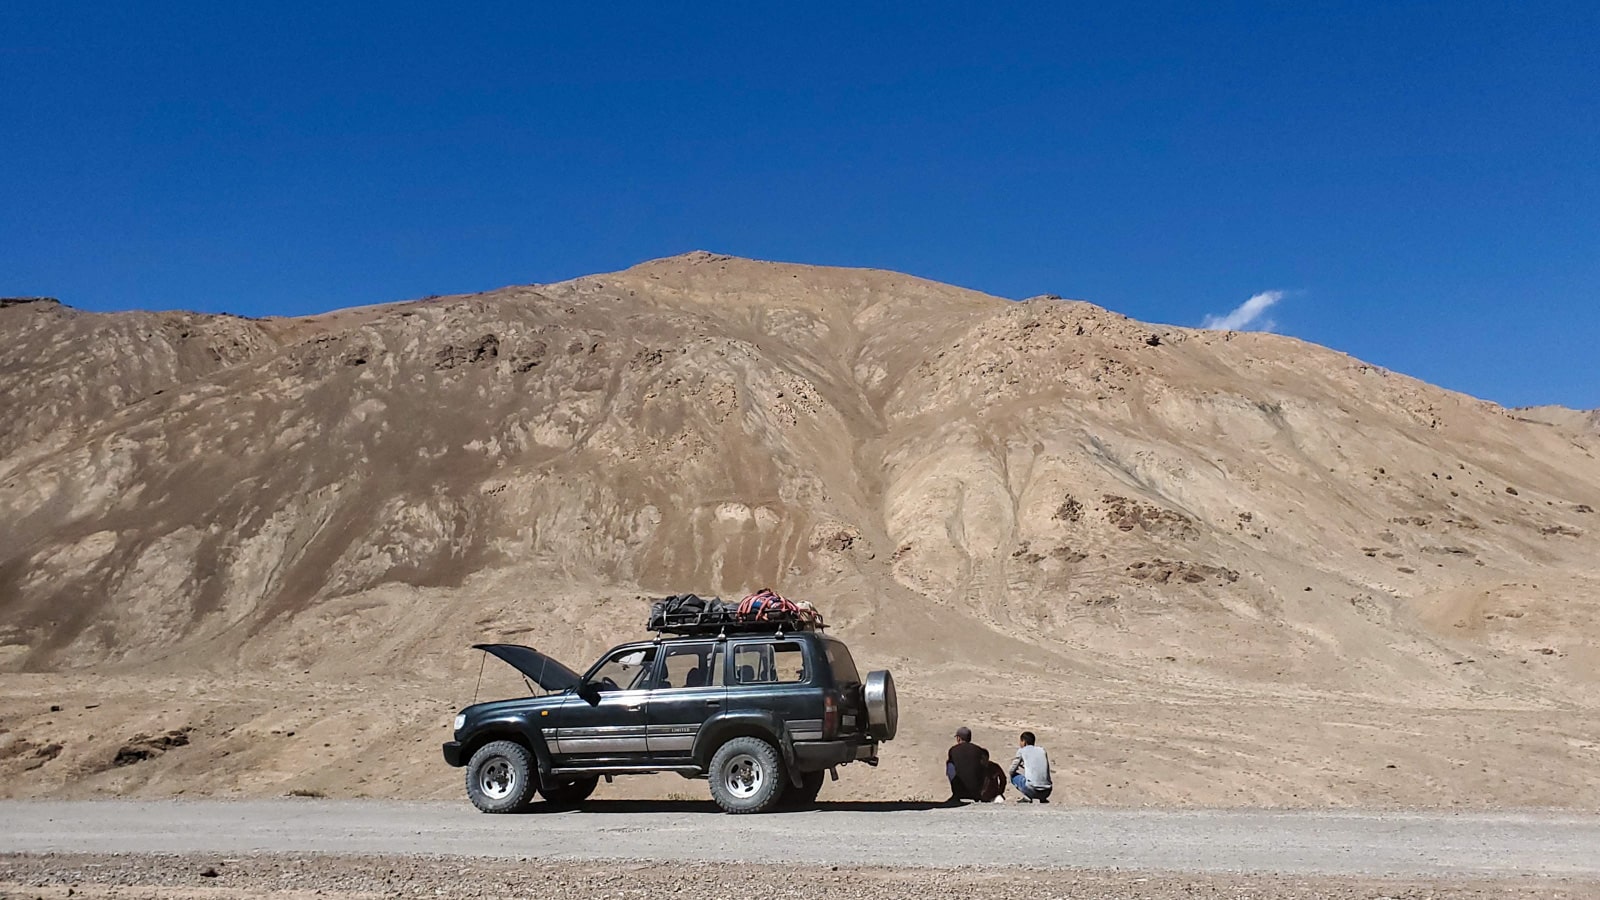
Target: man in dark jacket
point(965, 767)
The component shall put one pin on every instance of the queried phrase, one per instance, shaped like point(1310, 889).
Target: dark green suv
point(764, 715)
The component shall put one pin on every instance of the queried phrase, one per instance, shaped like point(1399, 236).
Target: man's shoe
point(1024, 799)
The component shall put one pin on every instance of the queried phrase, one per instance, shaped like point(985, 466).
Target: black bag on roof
point(687, 610)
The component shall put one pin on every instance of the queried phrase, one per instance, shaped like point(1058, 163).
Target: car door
point(689, 690)
point(775, 676)
point(610, 731)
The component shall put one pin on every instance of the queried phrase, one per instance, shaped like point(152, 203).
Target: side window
point(691, 665)
point(844, 668)
point(783, 662)
point(625, 670)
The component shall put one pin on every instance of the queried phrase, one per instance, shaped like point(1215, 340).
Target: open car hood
point(541, 669)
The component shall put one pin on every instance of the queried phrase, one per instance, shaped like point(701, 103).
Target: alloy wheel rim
point(497, 779)
point(744, 776)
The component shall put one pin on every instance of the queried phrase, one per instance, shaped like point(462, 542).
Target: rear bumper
point(452, 754)
point(811, 756)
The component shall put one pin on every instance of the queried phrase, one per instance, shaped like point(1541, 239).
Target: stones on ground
point(301, 875)
point(1026, 554)
point(145, 746)
point(1070, 510)
point(37, 755)
point(1127, 514)
point(1163, 571)
point(482, 350)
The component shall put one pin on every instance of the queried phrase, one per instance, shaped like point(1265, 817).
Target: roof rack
point(716, 626)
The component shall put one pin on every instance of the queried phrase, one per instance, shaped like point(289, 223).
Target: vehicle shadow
point(636, 807)
point(875, 806)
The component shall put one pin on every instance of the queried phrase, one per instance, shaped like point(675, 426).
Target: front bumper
point(452, 754)
point(812, 756)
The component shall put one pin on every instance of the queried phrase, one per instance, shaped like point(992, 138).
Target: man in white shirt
point(1030, 770)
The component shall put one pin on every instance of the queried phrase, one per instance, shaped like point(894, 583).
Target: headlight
point(461, 720)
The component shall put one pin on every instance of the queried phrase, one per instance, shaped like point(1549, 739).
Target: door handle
point(636, 708)
point(713, 702)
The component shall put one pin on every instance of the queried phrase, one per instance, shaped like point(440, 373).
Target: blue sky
point(1421, 181)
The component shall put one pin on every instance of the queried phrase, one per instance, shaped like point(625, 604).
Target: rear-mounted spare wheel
point(883, 710)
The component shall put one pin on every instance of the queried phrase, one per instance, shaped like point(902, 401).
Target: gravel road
point(892, 834)
point(326, 877)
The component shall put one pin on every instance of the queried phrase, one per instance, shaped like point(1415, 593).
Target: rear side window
point(691, 665)
point(781, 662)
point(844, 668)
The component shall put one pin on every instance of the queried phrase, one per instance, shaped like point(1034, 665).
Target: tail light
point(830, 717)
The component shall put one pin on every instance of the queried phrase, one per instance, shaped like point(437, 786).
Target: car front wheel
point(501, 777)
point(747, 776)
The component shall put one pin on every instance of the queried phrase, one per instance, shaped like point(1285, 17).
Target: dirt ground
point(1127, 743)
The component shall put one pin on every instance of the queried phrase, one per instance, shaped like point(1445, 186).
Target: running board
point(628, 770)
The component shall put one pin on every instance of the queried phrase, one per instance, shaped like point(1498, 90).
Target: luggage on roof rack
point(762, 611)
point(689, 611)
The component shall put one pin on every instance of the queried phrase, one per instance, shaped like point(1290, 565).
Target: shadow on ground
point(634, 807)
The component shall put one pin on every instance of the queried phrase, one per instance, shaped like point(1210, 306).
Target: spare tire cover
point(883, 710)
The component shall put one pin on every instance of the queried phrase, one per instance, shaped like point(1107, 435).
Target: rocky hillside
point(1014, 503)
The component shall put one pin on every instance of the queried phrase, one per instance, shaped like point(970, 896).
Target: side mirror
point(590, 693)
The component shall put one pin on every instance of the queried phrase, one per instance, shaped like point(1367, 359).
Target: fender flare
point(519, 726)
point(725, 726)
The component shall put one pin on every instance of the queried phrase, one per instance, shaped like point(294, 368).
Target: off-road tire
point(806, 794)
point(568, 793)
point(501, 777)
point(747, 776)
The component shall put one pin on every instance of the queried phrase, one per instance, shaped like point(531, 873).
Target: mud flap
point(541, 754)
point(787, 745)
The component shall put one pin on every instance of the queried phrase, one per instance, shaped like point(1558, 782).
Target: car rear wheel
point(747, 776)
point(806, 793)
point(568, 793)
point(501, 777)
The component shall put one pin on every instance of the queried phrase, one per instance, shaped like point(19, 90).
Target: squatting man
point(974, 777)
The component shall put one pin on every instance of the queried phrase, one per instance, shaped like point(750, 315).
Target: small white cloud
point(1245, 314)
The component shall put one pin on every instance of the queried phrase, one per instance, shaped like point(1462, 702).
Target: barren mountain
point(1207, 567)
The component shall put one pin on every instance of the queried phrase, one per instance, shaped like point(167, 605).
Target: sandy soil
point(1142, 745)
